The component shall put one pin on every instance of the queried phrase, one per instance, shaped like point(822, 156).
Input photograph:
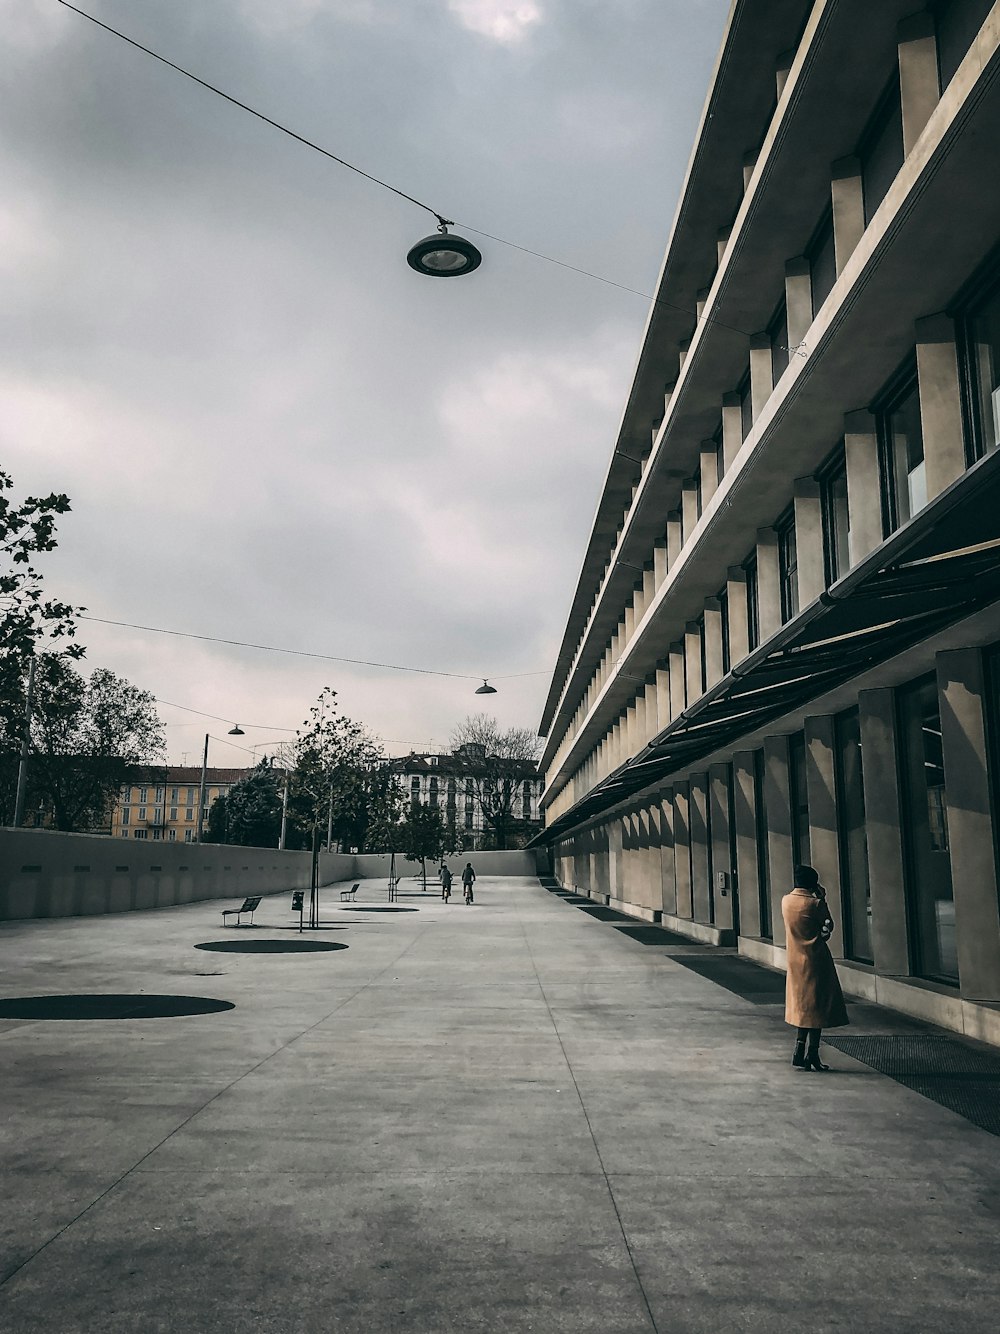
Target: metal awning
point(941, 566)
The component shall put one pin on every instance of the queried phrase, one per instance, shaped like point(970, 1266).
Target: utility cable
point(443, 223)
point(299, 653)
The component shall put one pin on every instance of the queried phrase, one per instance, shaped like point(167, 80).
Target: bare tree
point(497, 762)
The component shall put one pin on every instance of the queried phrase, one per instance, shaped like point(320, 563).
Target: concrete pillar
point(798, 300)
point(652, 713)
point(662, 695)
point(749, 162)
point(809, 543)
point(639, 735)
point(739, 634)
point(721, 897)
point(675, 537)
point(629, 622)
point(689, 507)
point(615, 859)
point(745, 827)
point(864, 486)
point(668, 888)
point(631, 730)
point(638, 604)
point(701, 300)
point(919, 88)
point(659, 565)
point(940, 402)
point(692, 661)
point(698, 827)
point(768, 583)
point(779, 827)
point(683, 347)
point(713, 642)
point(648, 588)
point(877, 713)
point(709, 464)
point(964, 727)
point(721, 242)
point(848, 198)
point(824, 842)
point(678, 680)
point(682, 850)
point(761, 373)
point(732, 429)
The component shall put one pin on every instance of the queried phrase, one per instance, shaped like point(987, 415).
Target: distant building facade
point(449, 782)
point(164, 805)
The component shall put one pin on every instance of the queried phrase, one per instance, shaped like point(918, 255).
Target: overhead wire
point(300, 653)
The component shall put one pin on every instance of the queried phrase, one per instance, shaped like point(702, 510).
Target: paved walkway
point(500, 1118)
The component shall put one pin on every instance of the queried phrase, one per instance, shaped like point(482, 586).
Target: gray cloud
point(270, 428)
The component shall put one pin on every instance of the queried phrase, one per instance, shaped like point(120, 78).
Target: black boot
point(799, 1055)
point(812, 1061)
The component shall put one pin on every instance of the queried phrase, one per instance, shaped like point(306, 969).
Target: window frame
point(896, 390)
point(884, 113)
point(788, 573)
point(753, 601)
point(822, 238)
point(833, 469)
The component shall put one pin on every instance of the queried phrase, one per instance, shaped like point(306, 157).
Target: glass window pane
point(853, 839)
point(798, 798)
point(779, 344)
point(838, 524)
point(788, 566)
point(984, 352)
point(906, 442)
point(929, 888)
point(822, 264)
point(763, 862)
point(881, 152)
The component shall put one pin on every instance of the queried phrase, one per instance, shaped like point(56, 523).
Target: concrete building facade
point(784, 644)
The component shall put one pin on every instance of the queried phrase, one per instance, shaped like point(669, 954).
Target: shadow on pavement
point(270, 946)
point(109, 1007)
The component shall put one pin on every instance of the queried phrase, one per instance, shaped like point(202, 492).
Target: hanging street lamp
point(443, 255)
point(486, 689)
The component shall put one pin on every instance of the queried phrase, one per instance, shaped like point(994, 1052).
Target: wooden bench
point(249, 905)
point(347, 895)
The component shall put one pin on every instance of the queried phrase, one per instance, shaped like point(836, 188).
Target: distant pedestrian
point(813, 998)
point(468, 879)
point(445, 883)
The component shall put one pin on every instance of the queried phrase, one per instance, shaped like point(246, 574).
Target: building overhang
point(940, 567)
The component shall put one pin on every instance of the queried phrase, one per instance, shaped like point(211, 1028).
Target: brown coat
point(813, 998)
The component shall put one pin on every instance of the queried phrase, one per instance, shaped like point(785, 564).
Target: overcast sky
point(270, 428)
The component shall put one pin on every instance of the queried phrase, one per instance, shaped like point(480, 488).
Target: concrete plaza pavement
point(507, 1117)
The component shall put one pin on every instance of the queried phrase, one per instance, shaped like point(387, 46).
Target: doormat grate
point(960, 1078)
point(744, 979)
point(644, 934)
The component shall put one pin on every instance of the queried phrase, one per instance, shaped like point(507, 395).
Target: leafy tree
point(249, 814)
point(422, 835)
point(27, 617)
point(498, 762)
point(334, 760)
point(86, 739)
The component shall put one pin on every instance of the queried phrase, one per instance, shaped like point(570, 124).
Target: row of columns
point(662, 855)
point(940, 402)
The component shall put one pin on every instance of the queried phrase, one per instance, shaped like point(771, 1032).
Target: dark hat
point(805, 877)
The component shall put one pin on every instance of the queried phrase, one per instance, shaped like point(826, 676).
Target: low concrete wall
point(517, 861)
point(47, 874)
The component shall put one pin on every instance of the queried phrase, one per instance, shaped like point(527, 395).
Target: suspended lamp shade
point(236, 730)
point(444, 256)
point(486, 689)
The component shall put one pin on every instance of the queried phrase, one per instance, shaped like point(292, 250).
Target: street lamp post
point(235, 730)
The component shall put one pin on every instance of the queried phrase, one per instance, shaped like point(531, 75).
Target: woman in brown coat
point(813, 998)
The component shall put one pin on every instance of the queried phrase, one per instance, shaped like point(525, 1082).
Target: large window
point(746, 405)
point(778, 333)
point(881, 149)
point(925, 826)
point(753, 602)
point(763, 861)
point(836, 516)
point(901, 451)
point(788, 567)
point(798, 798)
point(822, 256)
point(853, 839)
point(981, 366)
